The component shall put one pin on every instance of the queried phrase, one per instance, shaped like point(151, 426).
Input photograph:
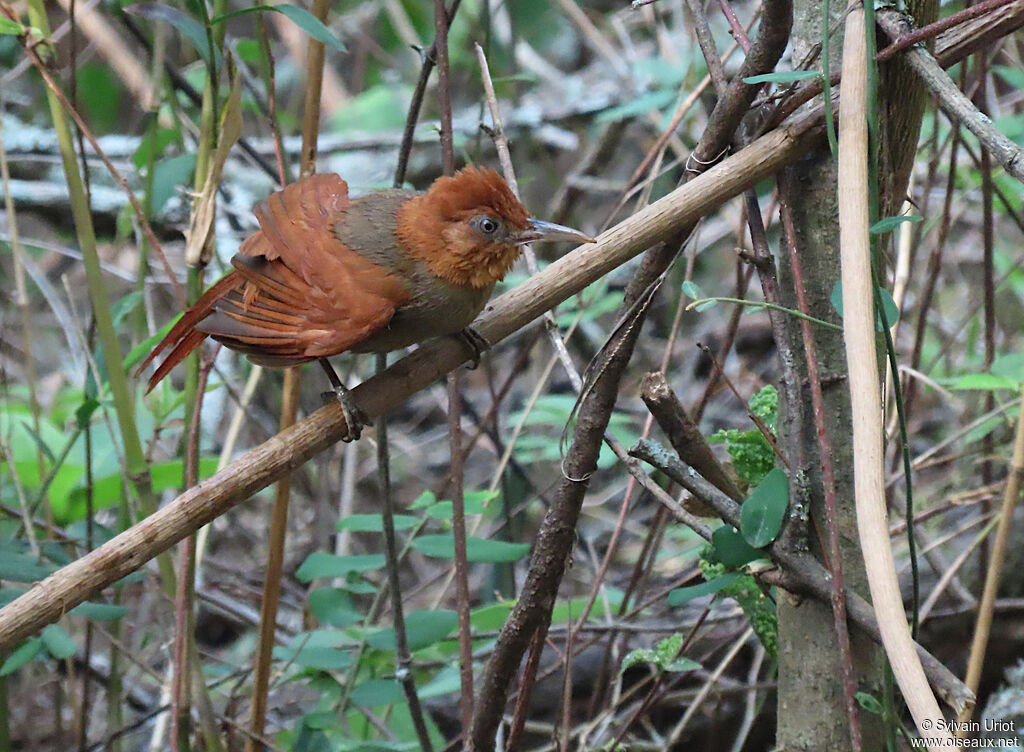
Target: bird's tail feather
point(183, 335)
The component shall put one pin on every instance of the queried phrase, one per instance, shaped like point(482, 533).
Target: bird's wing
point(305, 293)
point(297, 292)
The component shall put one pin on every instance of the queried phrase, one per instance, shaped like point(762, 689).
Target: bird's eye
point(486, 225)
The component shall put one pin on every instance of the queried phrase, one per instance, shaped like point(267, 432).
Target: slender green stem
point(137, 467)
point(826, 78)
point(754, 303)
point(152, 128)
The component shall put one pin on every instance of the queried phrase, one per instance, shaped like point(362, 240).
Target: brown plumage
point(326, 274)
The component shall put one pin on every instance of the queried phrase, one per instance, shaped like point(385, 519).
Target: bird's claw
point(355, 418)
point(476, 342)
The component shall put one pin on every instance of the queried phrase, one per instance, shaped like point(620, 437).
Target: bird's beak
point(540, 230)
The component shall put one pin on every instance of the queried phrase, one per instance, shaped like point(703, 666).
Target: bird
point(327, 273)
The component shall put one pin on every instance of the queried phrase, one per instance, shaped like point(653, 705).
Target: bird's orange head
point(470, 228)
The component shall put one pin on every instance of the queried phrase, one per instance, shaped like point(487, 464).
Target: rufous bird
point(326, 273)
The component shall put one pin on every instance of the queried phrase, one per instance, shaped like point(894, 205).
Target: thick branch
point(684, 435)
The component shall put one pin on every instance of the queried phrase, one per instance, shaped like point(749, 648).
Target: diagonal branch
point(289, 449)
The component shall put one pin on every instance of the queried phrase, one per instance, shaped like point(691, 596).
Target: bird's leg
point(355, 418)
point(476, 342)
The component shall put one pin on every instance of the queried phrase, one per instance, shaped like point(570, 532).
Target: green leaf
point(490, 617)
point(323, 564)
point(882, 226)
point(765, 405)
point(300, 17)
point(40, 442)
point(189, 27)
point(869, 702)
point(375, 109)
point(108, 491)
point(892, 312)
point(564, 611)
point(1012, 76)
point(25, 653)
point(168, 174)
point(424, 500)
point(984, 382)
point(691, 290)
point(982, 430)
point(322, 658)
point(8, 594)
point(374, 693)
point(480, 550)
point(764, 510)
point(84, 412)
point(7, 26)
point(153, 145)
point(682, 664)
point(1010, 365)
point(324, 649)
point(58, 642)
point(22, 567)
point(374, 523)
point(311, 25)
point(443, 510)
point(663, 657)
point(123, 306)
point(444, 683)
point(422, 629)
point(668, 648)
point(100, 611)
point(752, 455)
point(142, 349)
point(729, 547)
point(655, 100)
point(333, 606)
point(639, 655)
point(782, 77)
point(100, 93)
point(682, 595)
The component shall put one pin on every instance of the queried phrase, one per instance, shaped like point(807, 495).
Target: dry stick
point(403, 657)
point(838, 600)
point(684, 435)
point(954, 102)
point(501, 145)
point(865, 390)
point(456, 471)
point(983, 626)
point(799, 572)
point(289, 412)
point(932, 30)
point(505, 315)
point(416, 102)
point(989, 276)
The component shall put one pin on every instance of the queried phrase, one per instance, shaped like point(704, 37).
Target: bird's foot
point(355, 418)
point(476, 342)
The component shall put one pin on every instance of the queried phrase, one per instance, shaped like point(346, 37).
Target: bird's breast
point(437, 308)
